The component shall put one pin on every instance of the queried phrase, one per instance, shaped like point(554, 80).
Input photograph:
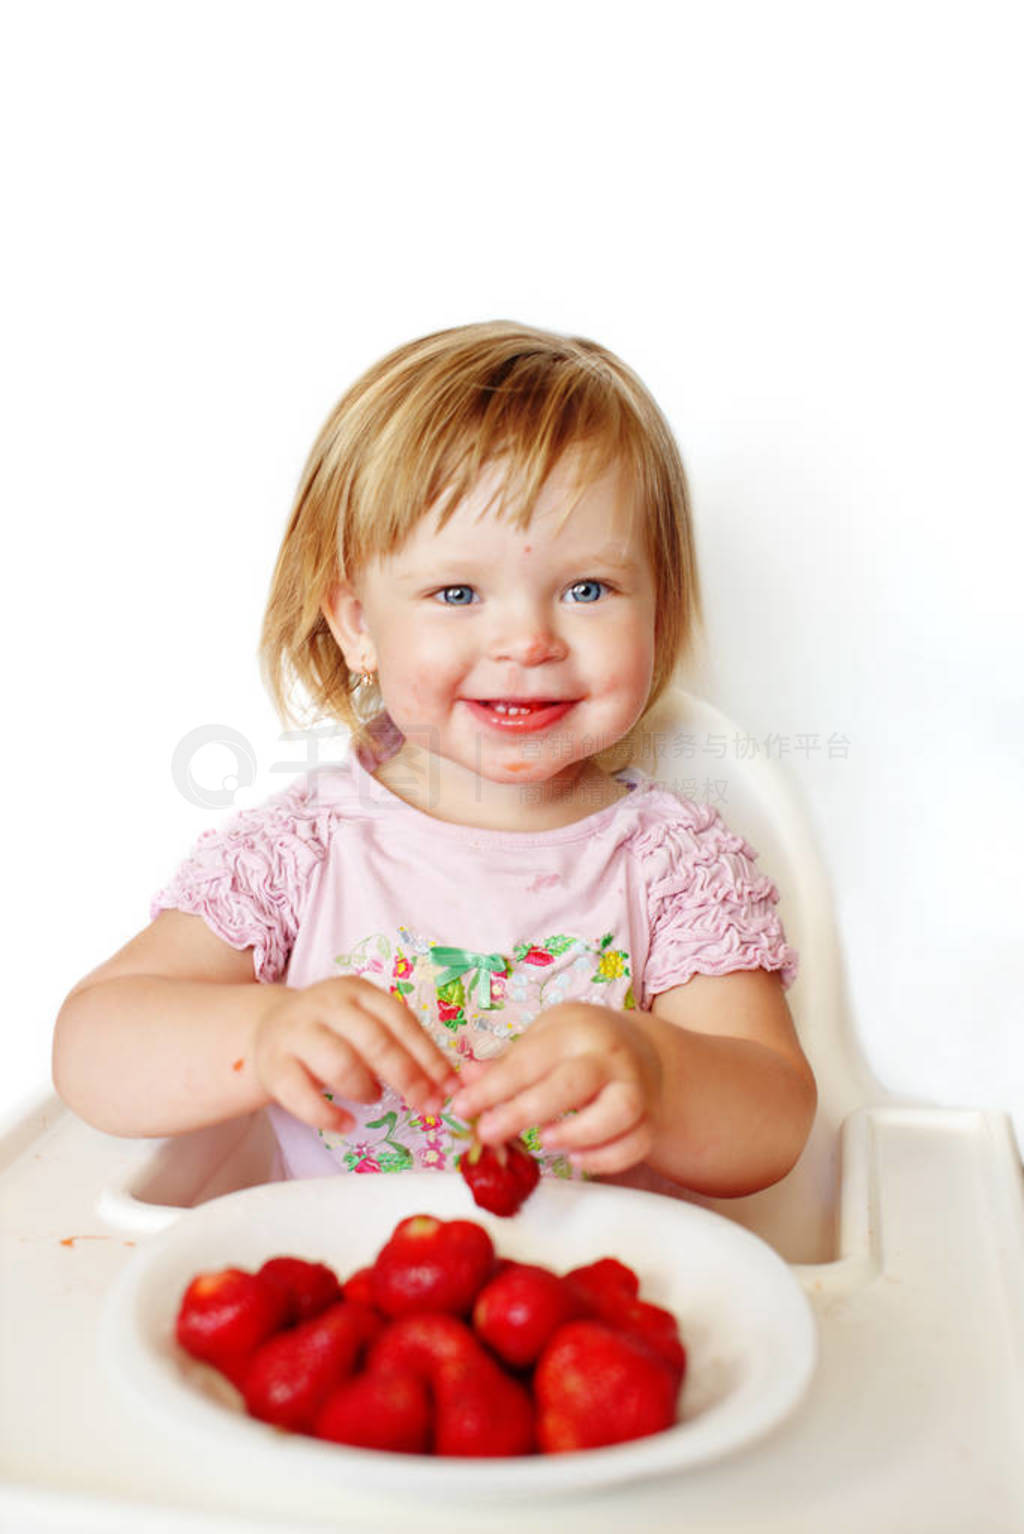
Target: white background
point(799, 222)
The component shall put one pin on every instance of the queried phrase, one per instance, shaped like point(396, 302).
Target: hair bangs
point(525, 421)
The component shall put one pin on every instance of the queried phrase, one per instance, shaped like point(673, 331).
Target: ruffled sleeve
point(250, 878)
point(709, 909)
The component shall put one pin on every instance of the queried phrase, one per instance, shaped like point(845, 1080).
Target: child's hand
point(349, 1037)
point(590, 1059)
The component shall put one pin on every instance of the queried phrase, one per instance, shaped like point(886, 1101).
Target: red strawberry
point(607, 1291)
point(598, 1283)
point(378, 1411)
point(500, 1177)
point(480, 1411)
point(420, 1343)
point(225, 1315)
point(431, 1264)
point(234, 1367)
point(656, 1327)
point(359, 1286)
point(291, 1376)
point(308, 1287)
point(517, 1312)
point(596, 1386)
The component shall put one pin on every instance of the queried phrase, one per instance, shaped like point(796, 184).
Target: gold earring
point(365, 694)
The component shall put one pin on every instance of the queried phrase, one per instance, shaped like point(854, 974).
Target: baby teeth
point(509, 708)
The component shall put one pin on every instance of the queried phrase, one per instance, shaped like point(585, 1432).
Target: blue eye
point(455, 596)
point(587, 591)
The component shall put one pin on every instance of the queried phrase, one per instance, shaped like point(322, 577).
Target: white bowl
point(746, 1323)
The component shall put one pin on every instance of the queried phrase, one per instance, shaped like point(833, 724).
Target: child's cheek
point(628, 669)
point(423, 683)
point(635, 658)
point(417, 690)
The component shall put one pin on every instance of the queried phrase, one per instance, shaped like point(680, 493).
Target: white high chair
point(904, 1222)
point(797, 1216)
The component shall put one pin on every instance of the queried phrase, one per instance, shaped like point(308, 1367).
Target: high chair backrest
point(762, 803)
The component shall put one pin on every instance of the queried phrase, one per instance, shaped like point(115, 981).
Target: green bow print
point(461, 961)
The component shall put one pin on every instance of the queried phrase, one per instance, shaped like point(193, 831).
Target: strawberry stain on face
point(238, 1065)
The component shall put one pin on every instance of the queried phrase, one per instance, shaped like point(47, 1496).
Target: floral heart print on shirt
point(473, 1005)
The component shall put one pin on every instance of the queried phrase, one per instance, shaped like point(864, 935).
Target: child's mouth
point(520, 715)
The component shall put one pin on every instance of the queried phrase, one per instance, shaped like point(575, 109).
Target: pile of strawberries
point(440, 1347)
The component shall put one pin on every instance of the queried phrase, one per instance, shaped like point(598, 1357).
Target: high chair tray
point(913, 1419)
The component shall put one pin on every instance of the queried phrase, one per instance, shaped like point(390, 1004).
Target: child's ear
point(343, 612)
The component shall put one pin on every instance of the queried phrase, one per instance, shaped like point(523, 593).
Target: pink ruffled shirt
point(477, 931)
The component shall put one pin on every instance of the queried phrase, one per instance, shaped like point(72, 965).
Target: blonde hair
point(416, 431)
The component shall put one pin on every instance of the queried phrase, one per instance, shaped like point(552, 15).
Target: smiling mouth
point(520, 713)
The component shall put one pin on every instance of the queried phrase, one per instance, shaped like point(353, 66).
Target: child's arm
point(174, 1033)
point(710, 1088)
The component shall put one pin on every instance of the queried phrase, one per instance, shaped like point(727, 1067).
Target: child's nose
point(535, 651)
point(529, 643)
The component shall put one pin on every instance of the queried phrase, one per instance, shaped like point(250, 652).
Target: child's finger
point(471, 1071)
point(334, 1060)
point(614, 1112)
point(617, 1155)
point(389, 1057)
point(530, 1060)
point(388, 1036)
point(295, 1090)
point(403, 1026)
point(569, 1085)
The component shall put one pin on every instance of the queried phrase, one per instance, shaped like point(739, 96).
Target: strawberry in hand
point(500, 1177)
